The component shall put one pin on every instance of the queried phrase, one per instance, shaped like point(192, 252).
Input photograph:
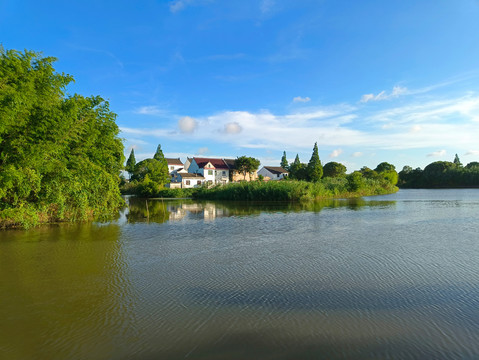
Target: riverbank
point(296, 190)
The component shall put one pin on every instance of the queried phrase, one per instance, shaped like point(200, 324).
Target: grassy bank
point(297, 190)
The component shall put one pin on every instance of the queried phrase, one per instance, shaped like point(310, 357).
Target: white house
point(174, 164)
point(214, 171)
point(188, 180)
point(273, 172)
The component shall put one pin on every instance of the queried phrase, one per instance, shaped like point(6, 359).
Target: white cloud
point(383, 95)
point(150, 110)
point(472, 152)
point(301, 99)
point(203, 150)
point(357, 154)
point(437, 153)
point(232, 128)
point(415, 129)
point(187, 124)
point(336, 153)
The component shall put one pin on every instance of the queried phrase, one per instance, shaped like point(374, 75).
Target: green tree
point(314, 169)
point(159, 154)
point(473, 165)
point(384, 166)
point(457, 161)
point(355, 181)
point(60, 156)
point(297, 170)
point(284, 161)
point(130, 163)
point(334, 169)
point(156, 170)
point(246, 165)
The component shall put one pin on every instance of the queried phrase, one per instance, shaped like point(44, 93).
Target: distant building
point(273, 172)
point(235, 175)
point(174, 164)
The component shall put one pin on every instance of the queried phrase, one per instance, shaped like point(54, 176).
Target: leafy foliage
point(297, 170)
point(315, 169)
point(246, 165)
point(60, 156)
point(441, 174)
point(334, 169)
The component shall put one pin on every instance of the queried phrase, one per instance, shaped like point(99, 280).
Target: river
point(385, 277)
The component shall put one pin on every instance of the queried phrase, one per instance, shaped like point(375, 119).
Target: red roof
point(217, 163)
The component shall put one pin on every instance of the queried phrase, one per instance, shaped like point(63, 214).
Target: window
point(172, 168)
point(187, 182)
point(210, 172)
point(198, 182)
point(224, 173)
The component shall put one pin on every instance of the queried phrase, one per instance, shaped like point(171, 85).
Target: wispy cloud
point(357, 154)
point(266, 6)
point(150, 110)
point(203, 150)
point(384, 95)
point(179, 5)
point(472, 152)
point(438, 153)
point(301, 99)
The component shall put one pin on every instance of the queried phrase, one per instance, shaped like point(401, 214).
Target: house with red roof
point(215, 171)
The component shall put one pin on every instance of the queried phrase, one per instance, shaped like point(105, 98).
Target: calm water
point(389, 277)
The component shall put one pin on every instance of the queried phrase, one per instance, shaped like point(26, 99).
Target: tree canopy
point(60, 155)
point(246, 165)
point(334, 169)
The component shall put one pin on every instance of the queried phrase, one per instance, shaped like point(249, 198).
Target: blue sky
point(369, 81)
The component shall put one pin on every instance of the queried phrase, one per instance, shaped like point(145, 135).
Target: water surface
point(386, 277)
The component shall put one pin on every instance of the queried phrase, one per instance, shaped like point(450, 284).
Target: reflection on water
point(387, 277)
point(162, 210)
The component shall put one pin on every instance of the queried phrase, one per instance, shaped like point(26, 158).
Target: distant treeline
point(441, 174)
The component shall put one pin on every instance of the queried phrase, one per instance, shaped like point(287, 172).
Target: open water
point(387, 277)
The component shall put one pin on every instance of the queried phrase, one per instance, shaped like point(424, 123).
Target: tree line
point(314, 171)
point(441, 174)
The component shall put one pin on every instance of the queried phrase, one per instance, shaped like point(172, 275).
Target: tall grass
point(293, 190)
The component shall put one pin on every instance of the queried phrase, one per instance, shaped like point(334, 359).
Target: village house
point(273, 172)
point(235, 175)
point(174, 165)
point(214, 171)
point(187, 180)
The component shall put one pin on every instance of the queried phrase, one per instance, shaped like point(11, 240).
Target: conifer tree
point(159, 153)
point(284, 161)
point(457, 161)
point(130, 163)
point(315, 169)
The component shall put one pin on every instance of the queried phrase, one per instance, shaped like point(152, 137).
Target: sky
point(369, 81)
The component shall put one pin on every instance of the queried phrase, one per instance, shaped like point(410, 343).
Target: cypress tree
point(457, 161)
point(315, 169)
point(159, 153)
point(284, 161)
point(130, 163)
